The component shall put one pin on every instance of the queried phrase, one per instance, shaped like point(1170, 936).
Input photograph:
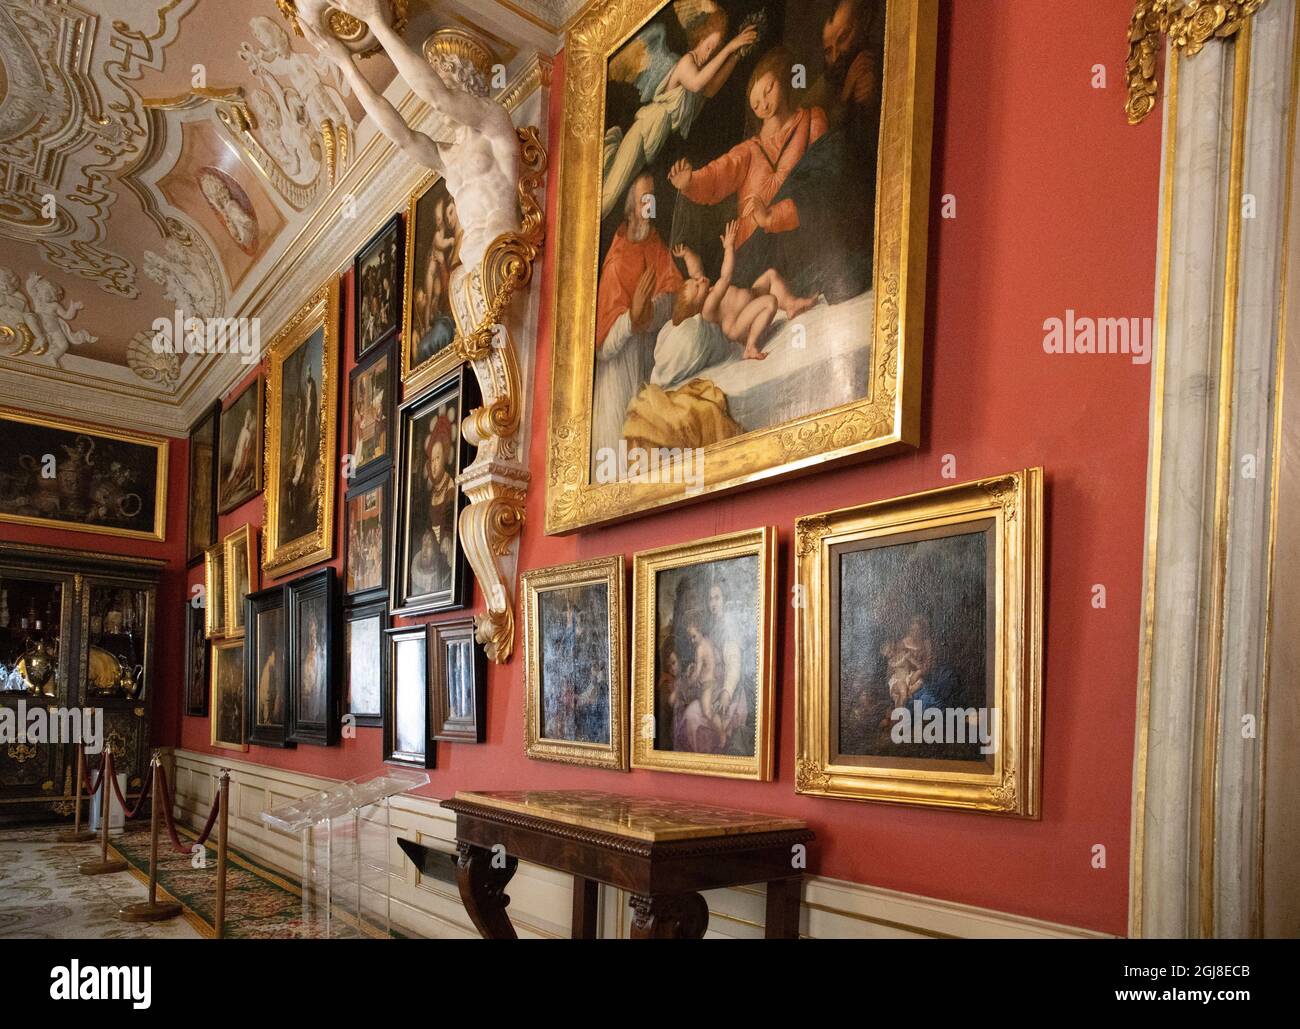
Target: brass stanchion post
point(223, 825)
point(104, 865)
point(152, 910)
point(76, 834)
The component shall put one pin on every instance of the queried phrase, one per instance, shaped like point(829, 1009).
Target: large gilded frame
point(1015, 504)
point(887, 420)
point(313, 547)
point(608, 571)
point(760, 543)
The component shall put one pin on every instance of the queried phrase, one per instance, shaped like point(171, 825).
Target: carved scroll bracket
point(496, 483)
point(1188, 25)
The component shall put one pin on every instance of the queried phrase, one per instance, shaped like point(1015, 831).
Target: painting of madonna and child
point(914, 660)
point(738, 193)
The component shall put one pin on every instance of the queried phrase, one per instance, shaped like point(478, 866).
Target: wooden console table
point(661, 852)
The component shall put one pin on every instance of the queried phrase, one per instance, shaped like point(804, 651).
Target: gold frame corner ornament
point(1014, 505)
point(320, 311)
point(607, 571)
point(885, 421)
point(1188, 25)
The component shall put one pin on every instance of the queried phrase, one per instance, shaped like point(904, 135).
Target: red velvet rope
point(89, 788)
point(171, 825)
point(132, 812)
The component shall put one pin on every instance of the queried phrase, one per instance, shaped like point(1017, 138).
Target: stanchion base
point(146, 911)
point(101, 867)
point(85, 836)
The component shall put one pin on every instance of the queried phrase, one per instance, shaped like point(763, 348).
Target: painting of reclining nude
point(739, 247)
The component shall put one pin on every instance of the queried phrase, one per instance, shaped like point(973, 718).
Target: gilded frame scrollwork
point(1012, 506)
point(886, 420)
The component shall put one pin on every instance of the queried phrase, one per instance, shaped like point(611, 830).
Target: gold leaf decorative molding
point(1188, 26)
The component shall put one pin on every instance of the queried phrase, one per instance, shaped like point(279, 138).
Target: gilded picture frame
point(883, 421)
point(419, 372)
point(85, 454)
point(214, 591)
point(1004, 514)
point(240, 566)
point(658, 724)
point(285, 550)
point(239, 466)
point(573, 584)
point(226, 726)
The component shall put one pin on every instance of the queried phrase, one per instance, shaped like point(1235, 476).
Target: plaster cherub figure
point(53, 317)
point(471, 140)
point(16, 313)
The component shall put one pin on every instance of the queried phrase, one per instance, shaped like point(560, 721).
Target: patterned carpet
point(42, 895)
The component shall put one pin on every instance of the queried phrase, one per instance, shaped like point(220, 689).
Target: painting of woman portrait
point(432, 254)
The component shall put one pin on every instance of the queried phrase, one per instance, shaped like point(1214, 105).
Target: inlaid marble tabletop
point(642, 818)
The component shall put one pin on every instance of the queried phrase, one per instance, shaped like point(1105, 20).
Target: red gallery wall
point(1056, 209)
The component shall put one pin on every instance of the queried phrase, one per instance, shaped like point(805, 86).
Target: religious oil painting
point(702, 678)
point(201, 528)
point(432, 254)
point(227, 725)
point(575, 659)
point(365, 565)
point(268, 661)
point(918, 643)
point(377, 288)
point(371, 401)
point(300, 436)
point(67, 476)
point(240, 468)
point(753, 208)
point(429, 568)
point(313, 696)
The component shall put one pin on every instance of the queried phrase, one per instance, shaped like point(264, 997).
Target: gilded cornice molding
point(1188, 26)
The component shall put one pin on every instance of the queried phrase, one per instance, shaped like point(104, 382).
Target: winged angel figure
point(470, 141)
point(673, 88)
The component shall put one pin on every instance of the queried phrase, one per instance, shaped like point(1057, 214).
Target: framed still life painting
point(457, 682)
point(201, 529)
point(302, 390)
point(575, 660)
point(240, 562)
point(433, 236)
point(310, 609)
point(365, 662)
point(377, 288)
point(743, 227)
point(196, 662)
point(366, 519)
point(227, 727)
point(430, 572)
point(267, 678)
point(372, 396)
point(240, 467)
point(407, 737)
point(918, 658)
point(703, 679)
point(69, 476)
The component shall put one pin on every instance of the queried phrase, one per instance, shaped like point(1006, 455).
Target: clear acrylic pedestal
point(345, 865)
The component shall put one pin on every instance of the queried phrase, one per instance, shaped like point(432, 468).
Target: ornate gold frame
point(311, 548)
point(607, 570)
point(761, 542)
point(159, 533)
point(233, 606)
point(416, 377)
point(887, 420)
point(214, 591)
point(218, 649)
point(1015, 504)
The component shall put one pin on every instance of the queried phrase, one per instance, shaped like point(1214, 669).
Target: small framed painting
point(458, 680)
point(372, 395)
point(377, 288)
point(365, 561)
point(407, 739)
point(365, 662)
point(240, 466)
point(267, 688)
point(196, 662)
point(312, 673)
point(702, 668)
point(433, 237)
point(214, 591)
point(228, 695)
point(201, 530)
point(575, 660)
point(430, 572)
point(240, 553)
point(918, 651)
